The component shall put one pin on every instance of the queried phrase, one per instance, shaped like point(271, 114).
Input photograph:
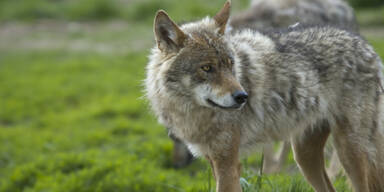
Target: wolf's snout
point(240, 97)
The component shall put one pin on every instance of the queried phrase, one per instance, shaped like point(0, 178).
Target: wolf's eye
point(206, 68)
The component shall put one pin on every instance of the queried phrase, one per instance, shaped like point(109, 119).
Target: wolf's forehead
point(210, 41)
point(204, 37)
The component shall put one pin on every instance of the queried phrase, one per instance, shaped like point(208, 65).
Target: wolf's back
point(272, 14)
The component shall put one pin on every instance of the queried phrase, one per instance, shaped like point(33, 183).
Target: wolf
point(223, 94)
point(264, 15)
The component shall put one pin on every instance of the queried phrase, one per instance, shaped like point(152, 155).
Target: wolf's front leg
point(226, 166)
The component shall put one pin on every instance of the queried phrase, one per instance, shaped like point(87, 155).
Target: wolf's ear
point(169, 37)
point(221, 18)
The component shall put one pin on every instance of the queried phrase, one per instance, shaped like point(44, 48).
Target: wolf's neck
point(252, 49)
point(252, 41)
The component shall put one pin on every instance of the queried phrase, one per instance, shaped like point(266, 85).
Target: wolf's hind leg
point(274, 162)
point(309, 155)
point(351, 146)
point(334, 168)
point(181, 157)
point(270, 164)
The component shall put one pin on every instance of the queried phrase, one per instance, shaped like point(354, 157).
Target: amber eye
point(206, 68)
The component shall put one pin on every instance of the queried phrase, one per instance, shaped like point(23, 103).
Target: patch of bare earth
point(373, 32)
point(103, 37)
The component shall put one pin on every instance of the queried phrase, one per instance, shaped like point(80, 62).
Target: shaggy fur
point(272, 14)
point(294, 79)
point(265, 15)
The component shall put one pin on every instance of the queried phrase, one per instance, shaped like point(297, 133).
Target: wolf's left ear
point(169, 36)
point(221, 18)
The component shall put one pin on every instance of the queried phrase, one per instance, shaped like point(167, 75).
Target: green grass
point(75, 120)
point(368, 12)
point(86, 10)
point(77, 123)
point(378, 45)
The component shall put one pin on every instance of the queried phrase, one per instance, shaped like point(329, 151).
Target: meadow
point(72, 112)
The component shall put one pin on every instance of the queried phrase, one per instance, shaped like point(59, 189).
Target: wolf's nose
point(240, 97)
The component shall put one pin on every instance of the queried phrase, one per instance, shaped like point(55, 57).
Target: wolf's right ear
point(221, 18)
point(169, 37)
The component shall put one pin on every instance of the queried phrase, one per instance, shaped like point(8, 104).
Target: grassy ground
point(71, 113)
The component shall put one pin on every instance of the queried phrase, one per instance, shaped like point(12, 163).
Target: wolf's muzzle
point(240, 97)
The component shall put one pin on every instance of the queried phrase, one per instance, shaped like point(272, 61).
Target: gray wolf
point(264, 15)
point(222, 94)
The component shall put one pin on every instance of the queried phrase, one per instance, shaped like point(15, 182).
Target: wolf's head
point(199, 60)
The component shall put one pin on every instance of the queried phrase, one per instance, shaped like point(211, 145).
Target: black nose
point(240, 97)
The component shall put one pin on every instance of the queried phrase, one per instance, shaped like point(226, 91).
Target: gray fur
point(271, 14)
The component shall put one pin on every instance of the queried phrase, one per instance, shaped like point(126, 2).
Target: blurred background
point(72, 116)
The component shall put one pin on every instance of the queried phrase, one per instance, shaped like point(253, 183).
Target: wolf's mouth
point(236, 106)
